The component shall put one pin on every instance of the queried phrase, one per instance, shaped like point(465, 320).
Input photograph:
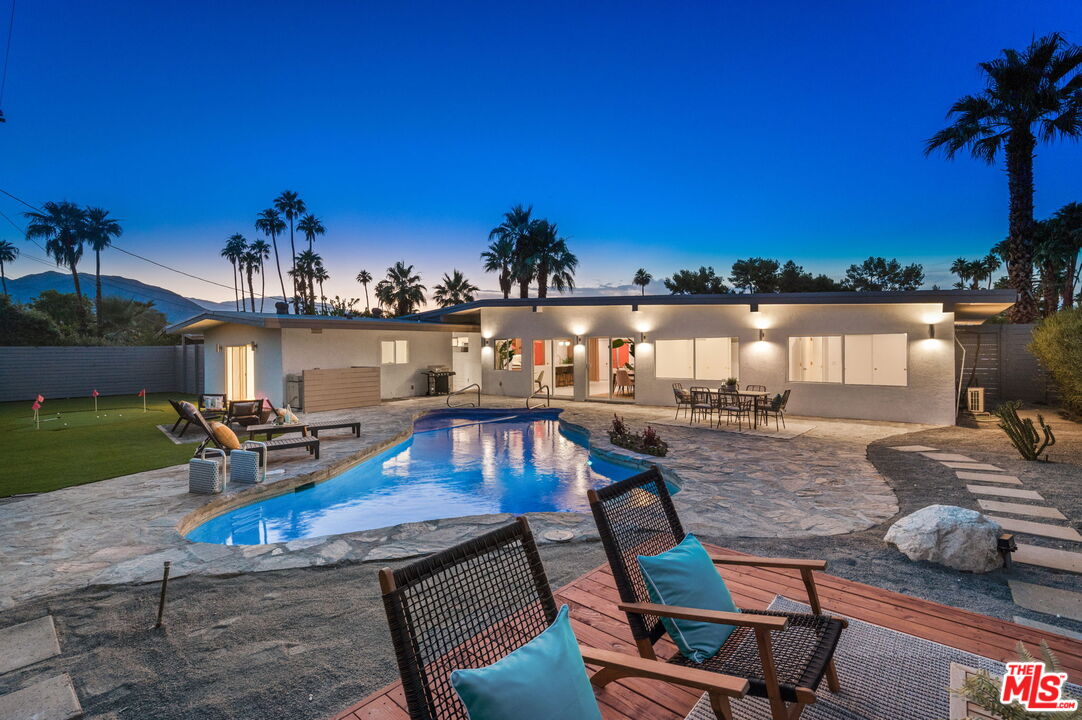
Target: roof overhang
point(970, 307)
point(208, 320)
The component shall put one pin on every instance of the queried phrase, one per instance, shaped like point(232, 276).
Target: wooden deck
point(592, 599)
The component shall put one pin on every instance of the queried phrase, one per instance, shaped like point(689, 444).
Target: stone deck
point(733, 484)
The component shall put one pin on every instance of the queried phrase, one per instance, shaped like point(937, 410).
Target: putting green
point(75, 445)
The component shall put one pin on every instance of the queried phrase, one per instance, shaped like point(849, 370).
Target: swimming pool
point(456, 463)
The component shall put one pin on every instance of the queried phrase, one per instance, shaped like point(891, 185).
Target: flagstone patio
point(733, 484)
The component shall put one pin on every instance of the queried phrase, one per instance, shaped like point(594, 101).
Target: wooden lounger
point(311, 444)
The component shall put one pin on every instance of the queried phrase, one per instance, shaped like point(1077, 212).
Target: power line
point(114, 246)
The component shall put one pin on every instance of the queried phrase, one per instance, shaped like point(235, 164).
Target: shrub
point(648, 441)
point(1057, 343)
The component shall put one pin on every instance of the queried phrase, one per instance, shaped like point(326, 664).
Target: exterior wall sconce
point(219, 348)
point(484, 342)
point(253, 345)
point(642, 337)
point(535, 308)
point(931, 330)
point(634, 308)
point(578, 339)
point(762, 334)
point(755, 307)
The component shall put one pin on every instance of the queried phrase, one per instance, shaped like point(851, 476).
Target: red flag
point(142, 393)
point(95, 394)
point(36, 405)
point(41, 398)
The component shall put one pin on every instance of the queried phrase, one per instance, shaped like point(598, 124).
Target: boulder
point(953, 536)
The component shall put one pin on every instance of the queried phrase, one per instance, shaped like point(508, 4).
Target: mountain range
point(175, 307)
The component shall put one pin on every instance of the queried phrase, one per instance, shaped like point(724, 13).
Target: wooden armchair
point(784, 656)
point(476, 602)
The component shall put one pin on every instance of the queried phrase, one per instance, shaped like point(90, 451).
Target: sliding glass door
point(610, 366)
point(554, 365)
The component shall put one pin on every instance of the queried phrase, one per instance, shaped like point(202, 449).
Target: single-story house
point(869, 355)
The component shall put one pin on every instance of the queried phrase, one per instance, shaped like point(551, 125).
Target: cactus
point(1022, 433)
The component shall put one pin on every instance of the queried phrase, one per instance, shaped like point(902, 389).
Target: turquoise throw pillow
point(685, 577)
point(543, 679)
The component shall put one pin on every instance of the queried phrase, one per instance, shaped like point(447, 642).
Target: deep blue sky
point(655, 134)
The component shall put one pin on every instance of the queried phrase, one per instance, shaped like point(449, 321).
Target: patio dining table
point(755, 395)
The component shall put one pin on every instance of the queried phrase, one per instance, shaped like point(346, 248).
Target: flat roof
point(968, 306)
point(210, 319)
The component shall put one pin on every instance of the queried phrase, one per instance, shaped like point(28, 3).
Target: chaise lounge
point(311, 444)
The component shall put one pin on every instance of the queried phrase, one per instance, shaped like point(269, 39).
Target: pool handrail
point(462, 390)
point(548, 397)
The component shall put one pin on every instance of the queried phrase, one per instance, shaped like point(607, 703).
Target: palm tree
point(1068, 221)
point(251, 261)
point(8, 253)
point(642, 279)
point(401, 291)
point(553, 263)
point(364, 277)
point(311, 226)
point(961, 267)
point(307, 261)
point(291, 206)
point(270, 223)
point(233, 252)
point(321, 275)
point(100, 231)
point(1036, 93)
point(62, 226)
point(260, 250)
point(517, 227)
point(454, 290)
point(989, 264)
point(499, 258)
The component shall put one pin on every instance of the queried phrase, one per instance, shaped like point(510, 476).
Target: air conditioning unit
point(975, 399)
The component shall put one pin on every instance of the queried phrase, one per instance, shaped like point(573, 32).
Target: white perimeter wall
point(928, 397)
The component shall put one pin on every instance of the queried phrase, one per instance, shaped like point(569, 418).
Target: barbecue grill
point(439, 379)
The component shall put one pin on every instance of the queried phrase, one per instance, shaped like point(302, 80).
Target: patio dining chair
point(213, 405)
point(735, 405)
point(776, 409)
point(702, 403)
point(682, 397)
point(783, 655)
point(247, 412)
point(755, 388)
point(624, 382)
point(475, 603)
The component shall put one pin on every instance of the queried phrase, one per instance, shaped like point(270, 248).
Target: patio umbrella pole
point(161, 600)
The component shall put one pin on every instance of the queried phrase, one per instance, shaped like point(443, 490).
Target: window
point(394, 352)
point(460, 344)
point(701, 358)
point(876, 359)
point(508, 355)
point(815, 359)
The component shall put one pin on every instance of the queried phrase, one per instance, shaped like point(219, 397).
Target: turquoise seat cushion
point(685, 577)
point(542, 680)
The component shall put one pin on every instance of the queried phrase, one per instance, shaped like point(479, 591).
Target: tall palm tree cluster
point(306, 269)
point(1029, 96)
point(972, 273)
point(1056, 257)
point(68, 230)
point(524, 250)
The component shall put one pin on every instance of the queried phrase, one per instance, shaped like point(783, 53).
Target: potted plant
point(731, 383)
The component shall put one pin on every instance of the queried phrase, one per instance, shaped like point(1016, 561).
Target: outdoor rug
point(792, 429)
point(192, 436)
point(885, 675)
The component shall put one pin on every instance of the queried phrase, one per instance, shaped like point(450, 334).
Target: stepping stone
point(987, 477)
point(971, 466)
point(1048, 557)
point(951, 457)
point(1004, 492)
point(1029, 527)
point(1038, 625)
point(27, 643)
point(913, 448)
point(1021, 509)
point(51, 699)
point(1053, 601)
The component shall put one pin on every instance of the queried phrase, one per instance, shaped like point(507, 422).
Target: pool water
point(455, 464)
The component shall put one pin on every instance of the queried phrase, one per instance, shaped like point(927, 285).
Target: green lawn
point(75, 445)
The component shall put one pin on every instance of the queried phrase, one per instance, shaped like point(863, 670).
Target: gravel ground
point(305, 643)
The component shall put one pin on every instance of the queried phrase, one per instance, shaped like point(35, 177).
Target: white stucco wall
point(302, 349)
point(267, 356)
point(928, 397)
point(467, 365)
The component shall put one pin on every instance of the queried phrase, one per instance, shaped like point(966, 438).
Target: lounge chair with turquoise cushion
point(478, 636)
point(784, 656)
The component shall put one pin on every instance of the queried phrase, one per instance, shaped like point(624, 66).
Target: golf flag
point(41, 398)
point(95, 394)
point(143, 392)
point(36, 406)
